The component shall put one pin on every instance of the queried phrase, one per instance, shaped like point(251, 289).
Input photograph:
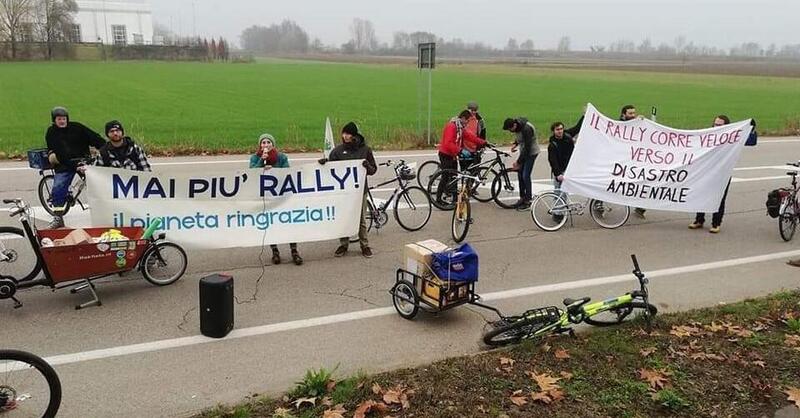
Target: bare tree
point(362, 34)
point(54, 22)
point(564, 44)
point(13, 15)
point(512, 45)
point(527, 45)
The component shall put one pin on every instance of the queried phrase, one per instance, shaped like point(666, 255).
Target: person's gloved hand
point(322, 160)
point(366, 164)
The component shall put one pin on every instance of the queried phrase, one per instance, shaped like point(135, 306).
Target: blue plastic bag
point(460, 264)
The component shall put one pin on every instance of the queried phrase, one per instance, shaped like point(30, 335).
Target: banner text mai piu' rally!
point(643, 164)
point(223, 208)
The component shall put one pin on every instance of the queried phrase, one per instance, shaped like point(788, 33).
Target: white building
point(128, 22)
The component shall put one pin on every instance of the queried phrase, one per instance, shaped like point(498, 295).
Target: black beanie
point(350, 128)
point(112, 125)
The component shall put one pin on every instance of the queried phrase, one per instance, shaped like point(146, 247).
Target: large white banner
point(221, 208)
point(643, 164)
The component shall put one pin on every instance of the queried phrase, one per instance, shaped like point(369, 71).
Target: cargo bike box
point(436, 278)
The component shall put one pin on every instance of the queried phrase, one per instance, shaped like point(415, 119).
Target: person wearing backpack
point(121, 151)
point(267, 156)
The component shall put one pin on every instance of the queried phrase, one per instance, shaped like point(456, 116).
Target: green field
point(186, 107)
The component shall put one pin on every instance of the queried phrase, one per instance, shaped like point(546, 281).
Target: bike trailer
point(89, 259)
point(37, 158)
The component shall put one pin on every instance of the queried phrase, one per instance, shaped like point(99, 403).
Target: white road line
point(747, 180)
point(378, 312)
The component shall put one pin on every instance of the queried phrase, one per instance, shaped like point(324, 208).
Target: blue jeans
point(60, 191)
point(524, 173)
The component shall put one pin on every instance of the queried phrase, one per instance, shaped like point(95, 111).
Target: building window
point(75, 34)
point(138, 39)
point(120, 34)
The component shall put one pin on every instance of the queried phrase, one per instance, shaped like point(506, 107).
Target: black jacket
point(575, 130)
point(526, 140)
point(70, 142)
point(357, 149)
point(559, 152)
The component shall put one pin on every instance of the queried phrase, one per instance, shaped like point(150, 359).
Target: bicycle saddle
point(570, 301)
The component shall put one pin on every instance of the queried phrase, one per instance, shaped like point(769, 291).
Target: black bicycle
point(789, 210)
point(45, 188)
point(29, 387)
point(412, 205)
point(492, 175)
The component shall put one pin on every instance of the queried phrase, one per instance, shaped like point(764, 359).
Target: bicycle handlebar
point(796, 164)
point(9, 201)
point(635, 263)
point(16, 212)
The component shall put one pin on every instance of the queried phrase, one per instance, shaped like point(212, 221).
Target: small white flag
point(328, 147)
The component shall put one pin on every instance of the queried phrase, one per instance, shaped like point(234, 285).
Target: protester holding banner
point(529, 150)
point(716, 218)
point(559, 152)
point(121, 151)
point(354, 147)
point(66, 141)
point(267, 156)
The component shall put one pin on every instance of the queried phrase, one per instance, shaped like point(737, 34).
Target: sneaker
point(276, 257)
point(640, 212)
point(366, 252)
point(342, 250)
point(57, 222)
point(298, 261)
point(714, 229)
point(523, 205)
point(695, 225)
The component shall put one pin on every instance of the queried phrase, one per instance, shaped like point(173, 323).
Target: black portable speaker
point(216, 305)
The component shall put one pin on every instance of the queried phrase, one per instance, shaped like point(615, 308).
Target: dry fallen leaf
point(330, 386)
point(518, 399)
point(656, 378)
point(566, 375)
point(562, 354)
point(301, 401)
point(545, 381)
point(335, 412)
point(543, 397)
point(327, 401)
point(556, 394)
point(505, 361)
point(282, 412)
point(647, 351)
point(792, 340)
point(685, 331)
point(545, 347)
point(793, 395)
point(714, 327)
point(376, 389)
point(759, 363)
point(369, 405)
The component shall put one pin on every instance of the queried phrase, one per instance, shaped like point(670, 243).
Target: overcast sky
point(722, 23)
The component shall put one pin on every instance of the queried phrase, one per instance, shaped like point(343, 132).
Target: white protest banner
point(643, 164)
point(220, 208)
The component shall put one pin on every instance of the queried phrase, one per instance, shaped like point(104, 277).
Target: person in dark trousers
point(476, 125)
point(528, 151)
point(354, 147)
point(267, 156)
point(559, 151)
point(121, 151)
point(66, 141)
point(455, 136)
point(716, 218)
point(627, 113)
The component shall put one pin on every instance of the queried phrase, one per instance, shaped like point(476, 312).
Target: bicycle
point(412, 206)
point(45, 187)
point(462, 210)
point(550, 211)
point(789, 212)
point(535, 324)
point(29, 387)
point(493, 173)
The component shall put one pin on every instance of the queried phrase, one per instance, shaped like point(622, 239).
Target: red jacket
point(451, 144)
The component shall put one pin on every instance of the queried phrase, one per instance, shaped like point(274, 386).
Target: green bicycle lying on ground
point(538, 323)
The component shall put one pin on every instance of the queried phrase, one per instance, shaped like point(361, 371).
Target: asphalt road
point(140, 354)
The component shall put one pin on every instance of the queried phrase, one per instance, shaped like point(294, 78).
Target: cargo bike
point(23, 257)
point(440, 280)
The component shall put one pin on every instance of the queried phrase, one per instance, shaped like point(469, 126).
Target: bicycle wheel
point(505, 192)
point(608, 215)
point(512, 330)
point(482, 190)
point(425, 172)
point(412, 209)
point(29, 387)
point(620, 313)
point(368, 219)
point(17, 258)
point(462, 217)
point(164, 264)
point(787, 219)
point(441, 191)
point(549, 211)
point(45, 192)
point(405, 299)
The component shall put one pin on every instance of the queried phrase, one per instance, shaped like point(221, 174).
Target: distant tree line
point(289, 37)
point(30, 27)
